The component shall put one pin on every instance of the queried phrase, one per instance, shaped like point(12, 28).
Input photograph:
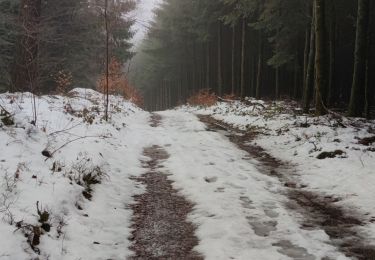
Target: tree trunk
point(194, 67)
point(253, 76)
point(306, 56)
point(208, 70)
point(320, 59)
point(243, 57)
point(107, 59)
point(369, 64)
point(357, 98)
point(260, 66)
point(26, 69)
point(233, 58)
point(219, 70)
point(295, 81)
point(277, 82)
point(332, 54)
point(308, 90)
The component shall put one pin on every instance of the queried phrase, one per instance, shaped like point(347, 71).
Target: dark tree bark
point(208, 69)
point(306, 56)
point(320, 59)
point(243, 57)
point(357, 98)
point(253, 75)
point(369, 63)
point(219, 62)
point(295, 79)
point(107, 59)
point(332, 52)
point(260, 66)
point(233, 58)
point(308, 89)
point(277, 82)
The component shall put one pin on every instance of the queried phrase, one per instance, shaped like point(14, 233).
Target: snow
point(239, 212)
point(350, 177)
point(114, 147)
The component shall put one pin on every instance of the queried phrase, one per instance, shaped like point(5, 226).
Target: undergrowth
point(203, 98)
point(86, 174)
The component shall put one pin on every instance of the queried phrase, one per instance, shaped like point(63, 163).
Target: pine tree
point(272, 48)
point(356, 105)
point(9, 31)
point(26, 70)
point(309, 81)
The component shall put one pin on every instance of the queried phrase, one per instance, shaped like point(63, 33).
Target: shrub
point(6, 118)
point(203, 98)
point(119, 84)
point(63, 80)
point(231, 97)
point(86, 174)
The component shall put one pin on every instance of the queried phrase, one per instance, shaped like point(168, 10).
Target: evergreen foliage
point(263, 49)
point(60, 36)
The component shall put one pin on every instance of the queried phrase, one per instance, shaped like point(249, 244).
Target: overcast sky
point(143, 16)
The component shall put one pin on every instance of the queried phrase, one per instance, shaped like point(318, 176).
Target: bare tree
point(26, 69)
point(107, 59)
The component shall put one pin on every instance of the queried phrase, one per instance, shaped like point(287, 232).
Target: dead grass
point(203, 98)
point(86, 174)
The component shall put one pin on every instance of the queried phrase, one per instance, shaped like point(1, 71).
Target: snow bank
point(72, 129)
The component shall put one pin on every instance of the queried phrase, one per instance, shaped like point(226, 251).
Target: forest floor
point(232, 181)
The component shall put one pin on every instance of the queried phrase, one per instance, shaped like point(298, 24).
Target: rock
point(210, 179)
point(333, 154)
point(367, 141)
point(47, 153)
point(46, 227)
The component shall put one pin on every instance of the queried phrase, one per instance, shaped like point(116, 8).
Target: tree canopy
point(257, 48)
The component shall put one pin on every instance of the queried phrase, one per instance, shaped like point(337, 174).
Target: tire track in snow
point(319, 211)
point(161, 230)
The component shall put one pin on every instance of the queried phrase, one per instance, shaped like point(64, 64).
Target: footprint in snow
point(271, 213)
point(269, 210)
point(293, 251)
point(246, 202)
point(242, 177)
point(263, 229)
point(220, 189)
point(210, 179)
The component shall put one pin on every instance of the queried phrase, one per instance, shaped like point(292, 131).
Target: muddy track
point(318, 211)
point(160, 226)
point(155, 120)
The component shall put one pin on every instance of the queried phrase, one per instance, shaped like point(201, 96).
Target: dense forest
point(320, 53)
point(187, 129)
point(47, 45)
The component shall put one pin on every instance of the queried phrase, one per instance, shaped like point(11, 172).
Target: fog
point(143, 16)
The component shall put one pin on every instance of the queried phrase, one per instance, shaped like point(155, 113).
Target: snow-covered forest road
point(243, 209)
point(233, 181)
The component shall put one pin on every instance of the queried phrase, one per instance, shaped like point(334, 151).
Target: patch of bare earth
point(161, 229)
point(155, 120)
point(319, 211)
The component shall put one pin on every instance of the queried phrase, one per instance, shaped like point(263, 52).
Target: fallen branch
point(71, 141)
point(250, 103)
point(225, 100)
point(64, 130)
point(5, 111)
point(335, 116)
